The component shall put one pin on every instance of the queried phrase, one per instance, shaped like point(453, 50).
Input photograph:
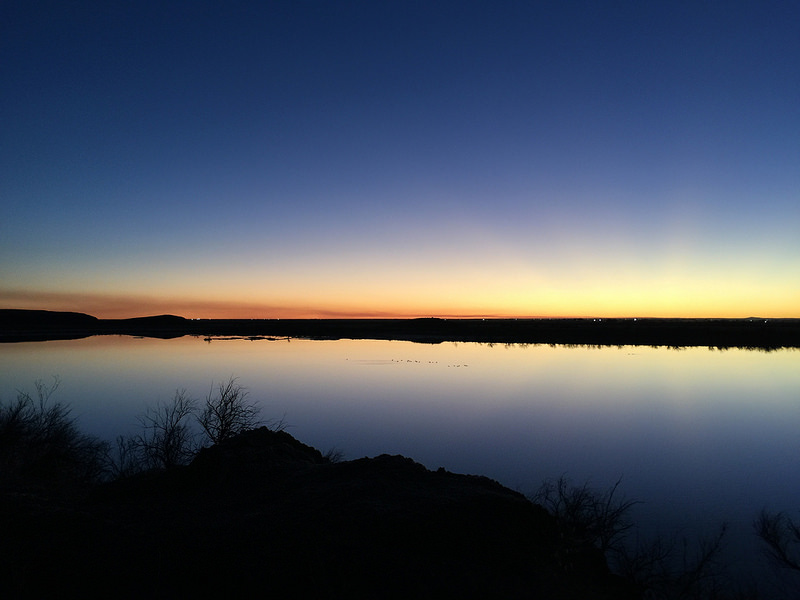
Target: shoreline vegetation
point(209, 499)
point(17, 325)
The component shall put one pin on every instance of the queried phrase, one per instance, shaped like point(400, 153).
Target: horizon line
point(336, 315)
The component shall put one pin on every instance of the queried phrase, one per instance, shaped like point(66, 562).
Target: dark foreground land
point(25, 325)
point(263, 513)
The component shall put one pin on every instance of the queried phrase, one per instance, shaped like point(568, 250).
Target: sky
point(400, 159)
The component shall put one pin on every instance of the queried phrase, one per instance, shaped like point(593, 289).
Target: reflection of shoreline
point(743, 333)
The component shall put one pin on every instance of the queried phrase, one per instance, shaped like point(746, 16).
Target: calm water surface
point(700, 436)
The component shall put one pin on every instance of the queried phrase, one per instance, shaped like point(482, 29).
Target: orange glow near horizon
point(458, 180)
point(553, 303)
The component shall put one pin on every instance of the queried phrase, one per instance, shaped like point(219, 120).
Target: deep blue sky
point(526, 158)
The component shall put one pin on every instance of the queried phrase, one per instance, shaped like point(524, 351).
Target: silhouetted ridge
point(161, 320)
point(746, 333)
point(44, 320)
point(22, 325)
point(161, 326)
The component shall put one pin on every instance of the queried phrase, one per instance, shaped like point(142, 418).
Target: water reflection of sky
point(700, 435)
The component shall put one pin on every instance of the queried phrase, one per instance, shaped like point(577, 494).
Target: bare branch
point(664, 568)
point(39, 439)
point(780, 534)
point(167, 439)
point(228, 412)
point(586, 516)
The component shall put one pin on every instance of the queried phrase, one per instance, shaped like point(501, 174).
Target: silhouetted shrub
point(781, 537)
point(334, 455)
point(586, 516)
point(127, 458)
point(661, 568)
point(228, 413)
point(677, 569)
point(39, 442)
point(167, 439)
point(172, 432)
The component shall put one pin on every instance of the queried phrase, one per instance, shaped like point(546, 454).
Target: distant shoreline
point(757, 333)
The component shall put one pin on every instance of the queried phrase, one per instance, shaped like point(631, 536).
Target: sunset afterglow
point(392, 159)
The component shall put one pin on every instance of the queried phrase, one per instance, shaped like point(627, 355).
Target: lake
point(700, 436)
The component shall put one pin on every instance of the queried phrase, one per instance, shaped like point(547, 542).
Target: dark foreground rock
point(264, 514)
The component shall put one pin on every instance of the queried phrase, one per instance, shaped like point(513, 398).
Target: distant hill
point(22, 325)
point(155, 322)
point(44, 320)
